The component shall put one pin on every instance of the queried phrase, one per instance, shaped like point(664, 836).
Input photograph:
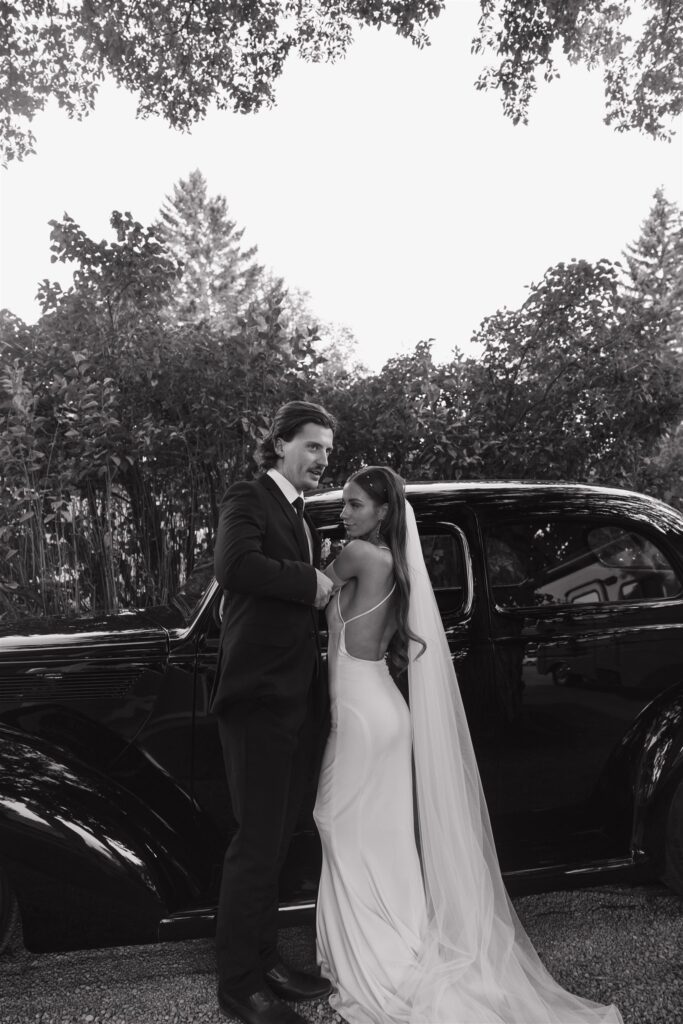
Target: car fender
point(84, 854)
point(660, 771)
point(645, 770)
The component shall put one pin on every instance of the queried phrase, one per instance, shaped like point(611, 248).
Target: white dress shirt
point(291, 494)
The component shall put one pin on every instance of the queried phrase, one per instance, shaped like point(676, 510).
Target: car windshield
point(188, 597)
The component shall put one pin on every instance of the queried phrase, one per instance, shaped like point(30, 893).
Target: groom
point(266, 694)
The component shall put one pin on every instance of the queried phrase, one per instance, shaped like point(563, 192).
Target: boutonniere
point(329, 549)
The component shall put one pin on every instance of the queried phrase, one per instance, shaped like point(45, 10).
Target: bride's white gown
point(372, 919)
point(371, 909)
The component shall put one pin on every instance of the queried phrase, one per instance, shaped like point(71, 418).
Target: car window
point(443, 560)
point(188, 597)
point(572, 561)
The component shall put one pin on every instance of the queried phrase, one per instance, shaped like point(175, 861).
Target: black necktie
point(298, 506)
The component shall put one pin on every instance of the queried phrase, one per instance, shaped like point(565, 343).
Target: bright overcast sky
point(399, 197)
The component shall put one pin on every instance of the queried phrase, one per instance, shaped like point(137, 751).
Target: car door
point(586, 619)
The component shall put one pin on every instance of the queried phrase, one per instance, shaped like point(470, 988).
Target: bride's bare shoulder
point(364, 553)
point(365, 548)
point(360, 559)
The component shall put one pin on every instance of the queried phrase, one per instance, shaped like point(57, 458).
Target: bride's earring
point(375, 533)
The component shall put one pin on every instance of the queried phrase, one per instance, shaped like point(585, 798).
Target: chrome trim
point(594, 868)
point(466, 609)
point(288, 908)
point(200, 922)
point(188, 915)
point(198, 913)
point(601, 866)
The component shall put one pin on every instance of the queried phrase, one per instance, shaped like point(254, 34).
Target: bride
point(411, 931)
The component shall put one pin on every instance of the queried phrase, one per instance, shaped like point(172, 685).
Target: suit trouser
point(267, 753)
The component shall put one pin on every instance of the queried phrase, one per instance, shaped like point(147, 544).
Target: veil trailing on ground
point(476, 963)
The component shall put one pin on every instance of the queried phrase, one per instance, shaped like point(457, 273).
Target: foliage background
point(141, 392)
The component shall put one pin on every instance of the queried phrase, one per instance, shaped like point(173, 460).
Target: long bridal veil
point(476, 964)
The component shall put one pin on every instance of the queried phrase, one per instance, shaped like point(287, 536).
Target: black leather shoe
point(259, 1008)
point(288, 983)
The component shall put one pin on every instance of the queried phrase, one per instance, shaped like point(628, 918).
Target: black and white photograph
point(341, 512)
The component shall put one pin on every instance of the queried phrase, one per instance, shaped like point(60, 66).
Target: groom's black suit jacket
point(269, 633)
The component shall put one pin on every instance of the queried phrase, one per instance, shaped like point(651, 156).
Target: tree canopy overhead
point(177, 56)
point(181, 56)
point(639, 45)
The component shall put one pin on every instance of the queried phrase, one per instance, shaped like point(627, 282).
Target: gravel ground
point(613, 944)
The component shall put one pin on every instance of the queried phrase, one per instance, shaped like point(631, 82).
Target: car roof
point(483, 489)
point(525, 495)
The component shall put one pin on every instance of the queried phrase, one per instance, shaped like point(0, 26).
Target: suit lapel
point(290, 514)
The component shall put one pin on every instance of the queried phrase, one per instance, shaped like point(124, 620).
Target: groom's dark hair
point(287, 422)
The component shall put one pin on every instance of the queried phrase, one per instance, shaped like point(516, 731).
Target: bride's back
point(366, 604)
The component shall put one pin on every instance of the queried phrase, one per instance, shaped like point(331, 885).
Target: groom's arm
point(240, 564)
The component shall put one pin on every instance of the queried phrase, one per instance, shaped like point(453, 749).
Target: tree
point(180, 58)
point(120, 427)
point(655, 267)
point(218, 278)
point(397, 417)
point(177, 57)
point(72, 427)
point(655, 279)
point(336, 344)
point(578, 383)
point(641, 64)
point(119, 285)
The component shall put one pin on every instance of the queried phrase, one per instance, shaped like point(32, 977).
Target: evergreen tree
point(655, 268)
point(219, 278)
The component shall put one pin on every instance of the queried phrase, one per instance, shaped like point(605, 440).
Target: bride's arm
point(351, 562)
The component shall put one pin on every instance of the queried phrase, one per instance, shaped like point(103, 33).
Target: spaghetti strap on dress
point(344, 623)
point(360, 615)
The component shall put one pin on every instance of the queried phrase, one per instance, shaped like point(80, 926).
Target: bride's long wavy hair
point(385, 487)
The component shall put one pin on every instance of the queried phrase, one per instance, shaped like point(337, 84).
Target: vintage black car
point(563, 606)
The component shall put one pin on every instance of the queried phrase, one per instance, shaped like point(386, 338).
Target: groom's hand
point(324, 591)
